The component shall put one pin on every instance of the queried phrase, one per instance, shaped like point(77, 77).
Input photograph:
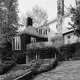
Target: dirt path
point(67, 70)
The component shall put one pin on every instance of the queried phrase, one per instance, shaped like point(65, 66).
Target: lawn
point(66, 70)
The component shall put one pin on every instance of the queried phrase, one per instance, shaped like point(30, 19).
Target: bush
point(47, 65)
point(43, 65)
point(42, 53)
point(57, 41)
point(5, 53)
point(70, 50)
point(6, 66)
point(35, 67)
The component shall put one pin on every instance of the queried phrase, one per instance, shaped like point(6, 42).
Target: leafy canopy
point(38, 14)
point(75, 19)
point(8, 20)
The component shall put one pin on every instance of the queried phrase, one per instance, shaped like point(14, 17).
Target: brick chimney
point(29, 22)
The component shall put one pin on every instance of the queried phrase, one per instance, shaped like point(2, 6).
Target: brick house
point(27, 36)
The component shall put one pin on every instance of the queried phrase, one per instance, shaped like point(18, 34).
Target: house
point(46, 31)
point(28, 35)
point(69, 37)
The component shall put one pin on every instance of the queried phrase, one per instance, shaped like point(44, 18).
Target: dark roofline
point(68, 32)
point(33, 35)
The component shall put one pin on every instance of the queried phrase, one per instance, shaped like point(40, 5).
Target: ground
point(67, 70)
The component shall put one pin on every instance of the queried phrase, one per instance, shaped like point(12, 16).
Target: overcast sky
point(49, 5)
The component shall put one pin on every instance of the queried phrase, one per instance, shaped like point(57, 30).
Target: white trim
point(17, 43)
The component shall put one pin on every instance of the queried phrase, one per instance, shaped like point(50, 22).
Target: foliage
point(8, 21)
point(30, 69)
point(57, 41)
point(70, 51)
point(4, 67)
point(38, 14)
point(43, 65)
point(67, 51)
point(42, 52)
point(75, 19)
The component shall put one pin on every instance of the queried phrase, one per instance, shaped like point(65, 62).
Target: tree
point(75, 19)
point(38, 14)
point(8, 23)
point(8, 20)
point(57, 40)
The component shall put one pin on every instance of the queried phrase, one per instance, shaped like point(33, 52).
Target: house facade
point(22, 39)
point(28, 35)
point(46, 31)
point(69, 37)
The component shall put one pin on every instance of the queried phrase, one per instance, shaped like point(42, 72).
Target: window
point(40, 31)
point(69, 39)
point(68, 36)
point(33, 39)
point(49, 29)
point(16, 43)
point(46, 31)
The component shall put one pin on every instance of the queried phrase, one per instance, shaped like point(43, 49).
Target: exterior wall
point(71, 38)
point(43, 30)
point(16, 43)
point(46, 32)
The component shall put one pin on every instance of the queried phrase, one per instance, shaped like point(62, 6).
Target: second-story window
point(46, 31)
point(40, 31)
point(49, 29)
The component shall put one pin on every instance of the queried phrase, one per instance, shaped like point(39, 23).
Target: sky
point(49, 5)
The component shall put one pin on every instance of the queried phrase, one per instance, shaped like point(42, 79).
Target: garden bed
point(35, 66)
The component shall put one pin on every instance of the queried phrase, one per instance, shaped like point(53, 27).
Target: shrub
point(4, 67)
point(43, 65)
point(35, 67)
point(42, 53)
point(67, 51)
point(5, 53)
point(57, 41)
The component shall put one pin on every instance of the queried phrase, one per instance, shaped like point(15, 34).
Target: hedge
point(6, 66)
point(70, 50)
point(43, 53)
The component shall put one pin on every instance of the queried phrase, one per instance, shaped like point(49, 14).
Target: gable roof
point(30, 30)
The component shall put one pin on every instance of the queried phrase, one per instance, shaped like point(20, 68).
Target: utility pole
point(60, 13)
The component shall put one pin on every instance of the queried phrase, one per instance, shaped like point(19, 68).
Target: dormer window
point(40, 31)
point(49, 29)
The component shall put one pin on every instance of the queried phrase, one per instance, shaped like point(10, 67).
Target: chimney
point(29, 22)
